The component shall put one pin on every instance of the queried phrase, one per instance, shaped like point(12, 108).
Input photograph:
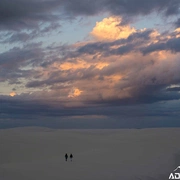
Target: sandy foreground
point(127, 154)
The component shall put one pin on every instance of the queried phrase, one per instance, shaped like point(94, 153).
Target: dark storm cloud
point(136, 7)
point(177, 23)
point(13, 60)
point(140, 95)
point(93, 48)
point(16, 55)
point(50, 27)
point(56, 108)
point(22, 106)
point(19, 37)
point(171, 45)
point(56, 77)
point(121, 50)
point(16, 112)
point(19, 62)
point(19, 14)
point(121, 7)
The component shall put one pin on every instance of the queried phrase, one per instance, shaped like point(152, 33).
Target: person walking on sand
point(71, 156)
point(66, 156)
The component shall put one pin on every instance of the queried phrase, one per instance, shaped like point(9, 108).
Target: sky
point(90, 64)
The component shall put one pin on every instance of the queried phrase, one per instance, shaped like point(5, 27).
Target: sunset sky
point(90, 63)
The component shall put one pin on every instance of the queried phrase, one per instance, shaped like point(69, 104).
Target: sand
point(33, 153)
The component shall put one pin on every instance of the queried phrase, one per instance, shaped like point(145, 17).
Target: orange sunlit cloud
point(76, 65)
point(12, 94)
point(74, 93)
point(178, 32)
point(110, 29)
point(101, 65)
point(80, 64)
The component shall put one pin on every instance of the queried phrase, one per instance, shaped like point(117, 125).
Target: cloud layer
point(118, 66)
point(20, 14)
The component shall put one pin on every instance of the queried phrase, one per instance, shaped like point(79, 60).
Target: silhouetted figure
point(71, 156)
point(66, 156)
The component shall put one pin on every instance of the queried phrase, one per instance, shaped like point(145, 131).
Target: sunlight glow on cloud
point(111, 29)
point(101, 65)
point(12, 94)
point(80, 64)
point(71, 65)
point(75, 92)
point(178, 32)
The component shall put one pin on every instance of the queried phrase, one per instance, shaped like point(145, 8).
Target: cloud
point(19, 37)
point(74, 93)
point(110, 29)
point(131, 79)
point(14, 63)
point(173, 89)
point(15, 112)
point(177, 23)
point(121, 7)
point(142, 7)
point(21, 14)
point(134, 69)
point(171, 45)
point(118, 67)
point(133, 42)
point(12, 94)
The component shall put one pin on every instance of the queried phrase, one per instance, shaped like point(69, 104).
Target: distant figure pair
point(66, 156)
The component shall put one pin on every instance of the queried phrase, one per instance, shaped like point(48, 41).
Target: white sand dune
point(38, 154)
